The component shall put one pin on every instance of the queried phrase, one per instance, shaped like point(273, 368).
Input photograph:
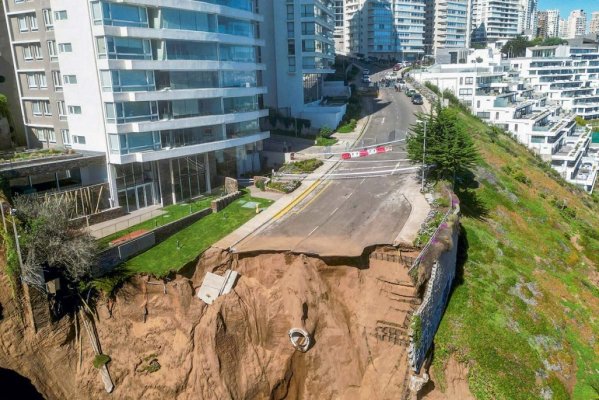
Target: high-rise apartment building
point(541, 24)
point(594, 28)
point(577, 23)
point(339, 8)
point(301, 52)
point(168, 92)
point(527, 16)
point(447, 25)
point(494, 20)
point(562, 28)
point(386, 29)
point(547, 23)
point(553, 21)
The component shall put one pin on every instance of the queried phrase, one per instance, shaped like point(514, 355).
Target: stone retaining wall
point(427, 317)
point(220, 203)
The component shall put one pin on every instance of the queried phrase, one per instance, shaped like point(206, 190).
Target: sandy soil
point(237, 348)
point(456, 376)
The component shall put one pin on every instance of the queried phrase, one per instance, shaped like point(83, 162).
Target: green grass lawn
point(171, 213)
point(523, 313)
point(189, 243)
point(325, 141)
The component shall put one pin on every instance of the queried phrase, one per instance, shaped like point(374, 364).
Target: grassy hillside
point(524, 314)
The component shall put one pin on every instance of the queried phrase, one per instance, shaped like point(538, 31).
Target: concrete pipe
point(300, 339)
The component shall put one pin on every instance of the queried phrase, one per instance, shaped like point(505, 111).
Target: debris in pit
point(214, 286)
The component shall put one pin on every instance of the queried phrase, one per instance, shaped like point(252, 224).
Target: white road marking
point(383, 121)
point(362, 181)
point(313, 230)
point(350, 195)
point(334, 211)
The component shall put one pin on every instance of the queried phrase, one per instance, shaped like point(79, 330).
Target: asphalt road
point(361, 202)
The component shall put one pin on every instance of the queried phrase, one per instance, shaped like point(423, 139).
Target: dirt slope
point(238, 348)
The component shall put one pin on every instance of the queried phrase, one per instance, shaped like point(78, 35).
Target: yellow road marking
point(296, 201)
point(313, 198)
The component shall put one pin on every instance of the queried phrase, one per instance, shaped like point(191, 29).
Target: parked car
point(397, 67)
point(365, 71)
point(417, 100)
point(410, 92)
point(366, 79)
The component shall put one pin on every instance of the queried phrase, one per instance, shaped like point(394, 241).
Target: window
point(62, 110)
point(40, 134)
point(51, 135)
point(52, 50)
point(78, 139)
point(27, 55)
point(46, 108)
point(57, 80)
point(70, 79)
point(48, 20)
point(37, 51)
point(36, 108)
point(465, 92)
point(23, 23)
point(66, 137)
point(291, 62)
point(74, 110)
point(31, 81)
point(60, 15)
point(41, 78)
point(291, 47)
point(469, 81)
point(65, 47)
point(33, 22)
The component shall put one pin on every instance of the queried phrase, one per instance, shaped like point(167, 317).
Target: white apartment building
point(594, 28)
point(577, 24)
point(340, 46)
point(536, 99)
point(169, 92)
point(553, 20)
point(447, 25)
point(494, 20)
point(562, 28)
point(527, 17)
point(299, 56)
point(568, 75)
point(385, 29)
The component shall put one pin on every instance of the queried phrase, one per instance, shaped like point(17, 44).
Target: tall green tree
point(450, 150)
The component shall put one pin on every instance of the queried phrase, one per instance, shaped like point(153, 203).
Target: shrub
point(325, 131)
point(260, 185)
point(100, 360)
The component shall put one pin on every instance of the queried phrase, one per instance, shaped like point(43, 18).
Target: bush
point(301, 167)
point(285, 187)
point(325, 141)
point(100, 360)
point(260, 185)
point(325, 131)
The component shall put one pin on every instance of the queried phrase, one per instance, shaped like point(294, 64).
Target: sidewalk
point(285, 203)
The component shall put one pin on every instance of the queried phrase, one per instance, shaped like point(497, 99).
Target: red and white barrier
point(366, 152)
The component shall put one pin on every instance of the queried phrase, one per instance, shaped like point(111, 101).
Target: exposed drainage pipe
point(300, 339)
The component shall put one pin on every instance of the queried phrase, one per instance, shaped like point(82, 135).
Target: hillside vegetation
point(524, 313)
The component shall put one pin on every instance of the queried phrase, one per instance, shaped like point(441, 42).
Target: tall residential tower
point(168, 92)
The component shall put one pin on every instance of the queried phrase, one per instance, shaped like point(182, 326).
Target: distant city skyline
point(565, 7)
